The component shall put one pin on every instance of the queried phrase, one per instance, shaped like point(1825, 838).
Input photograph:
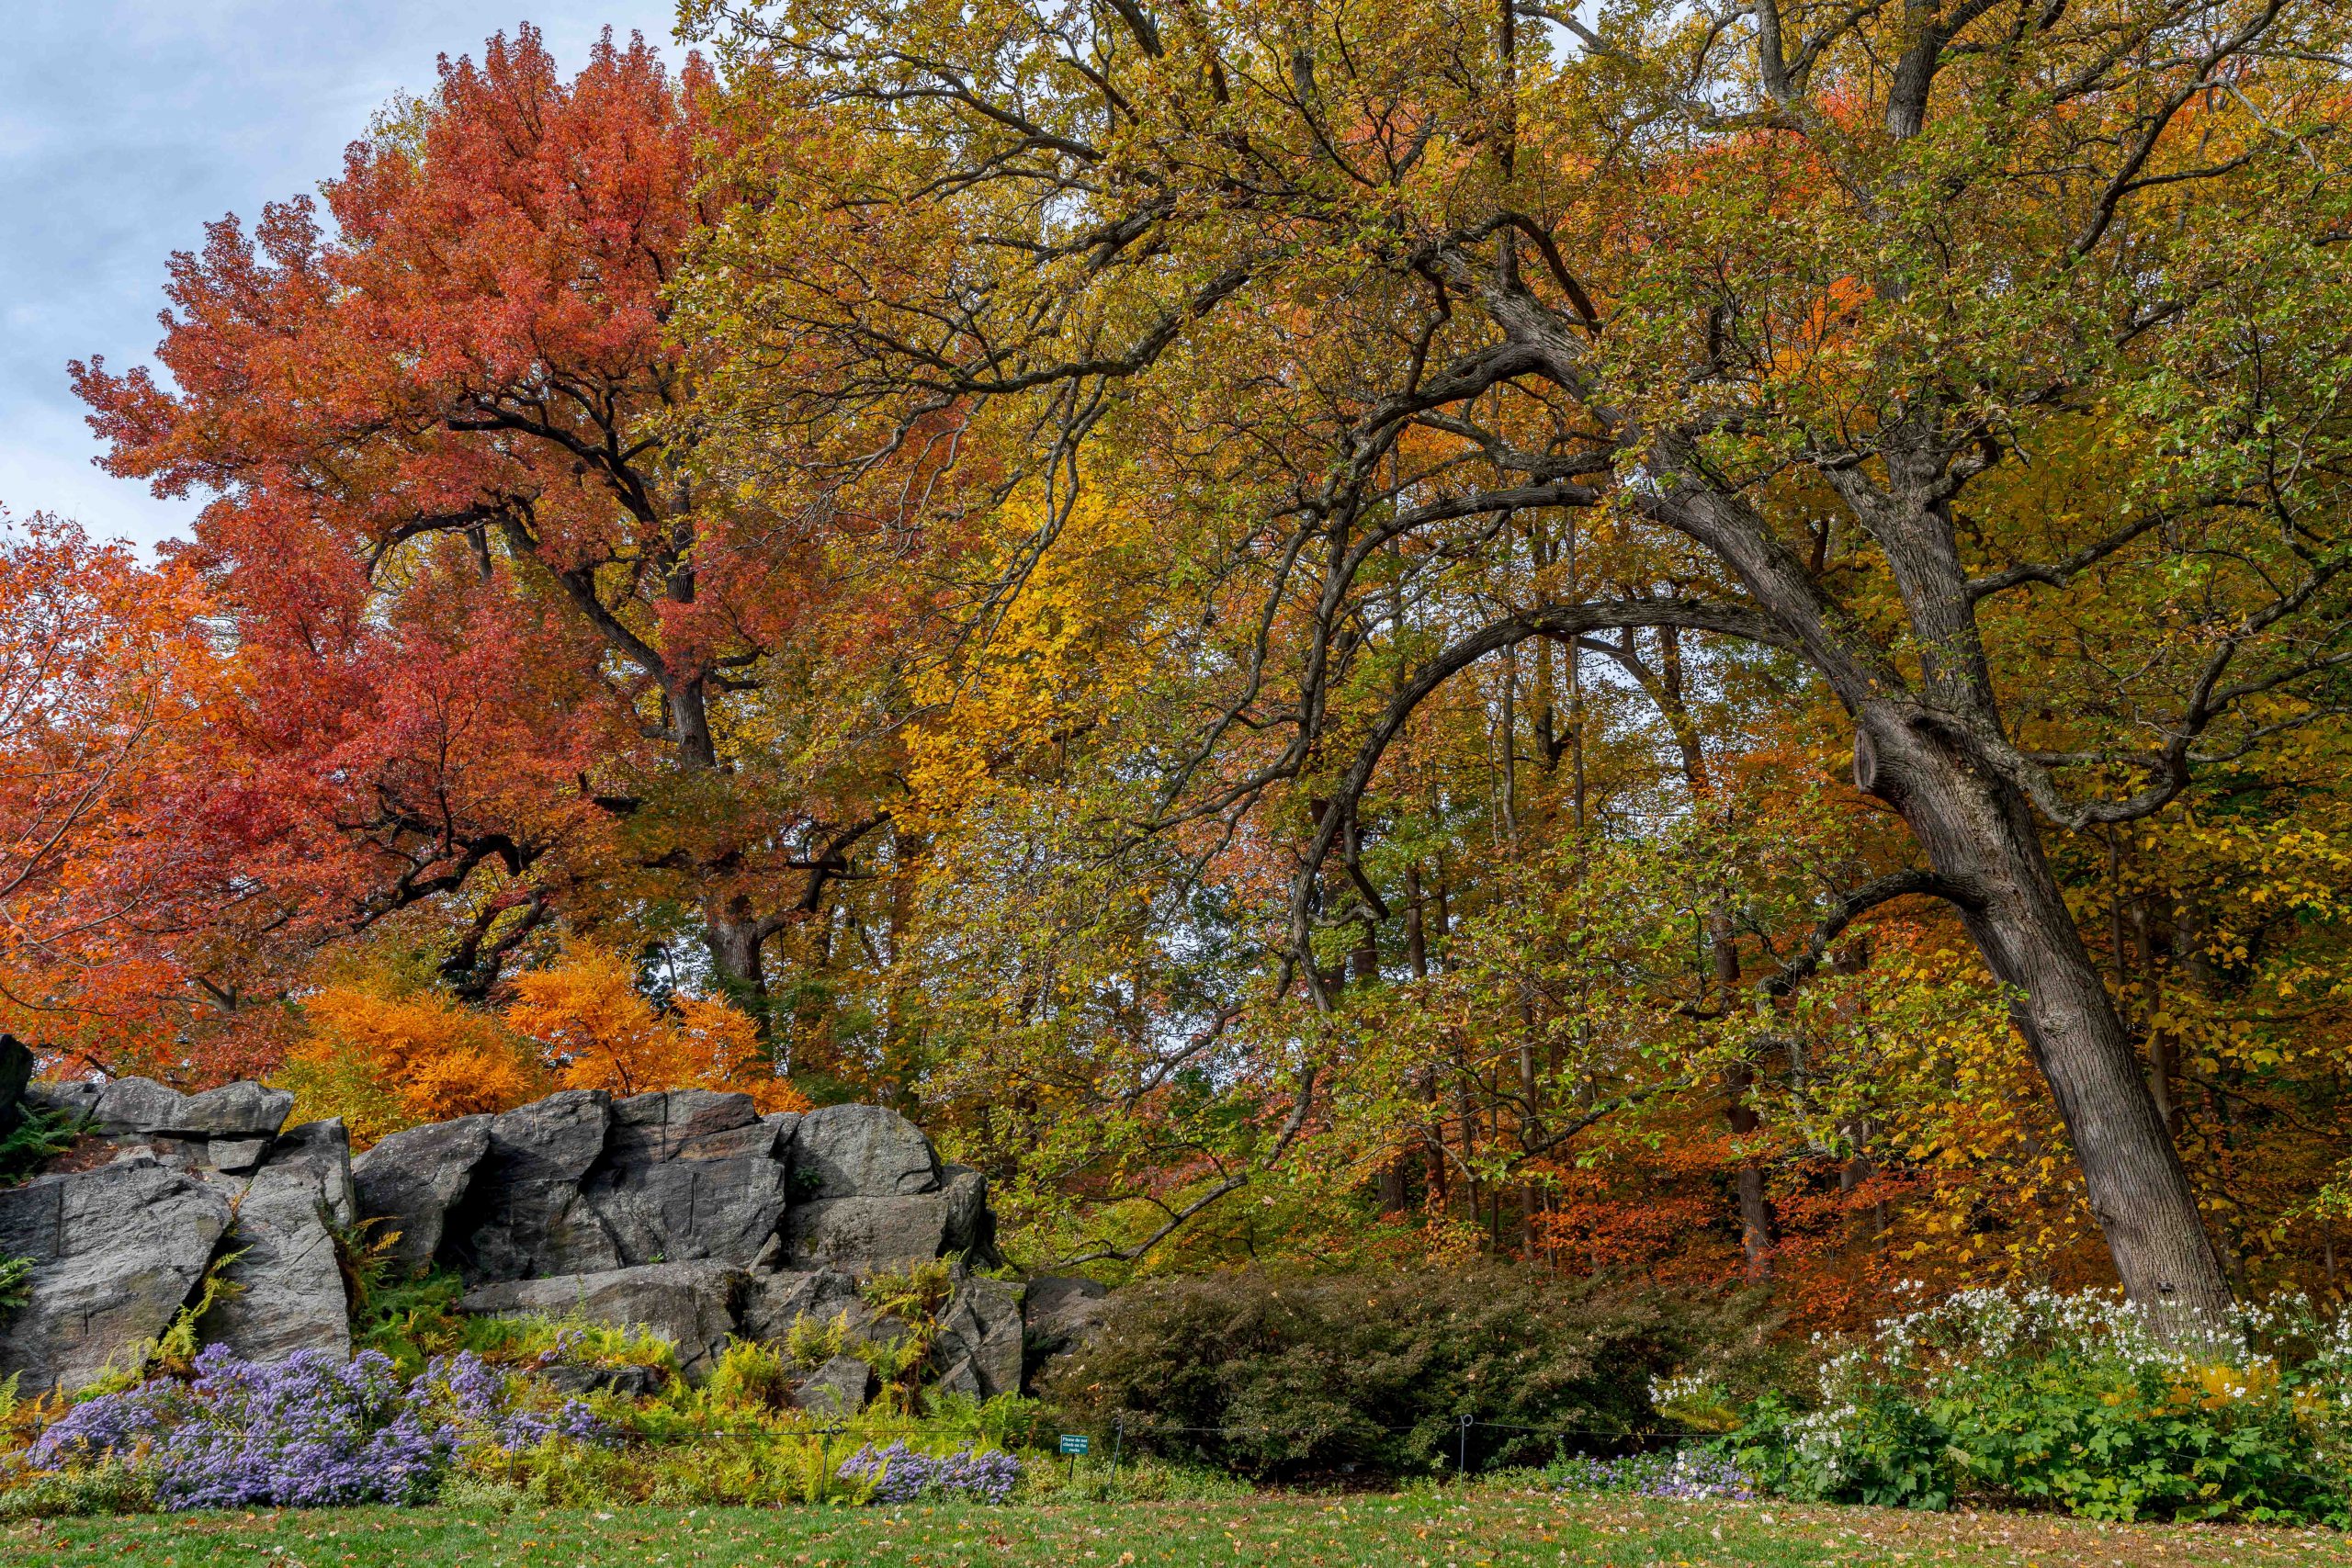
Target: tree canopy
point(1701, 640)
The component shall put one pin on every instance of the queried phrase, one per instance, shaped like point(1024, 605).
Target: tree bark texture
point(1981, 836)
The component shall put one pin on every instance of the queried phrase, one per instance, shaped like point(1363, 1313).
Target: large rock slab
point(773, 1303)
point(978, 1349)
point(971, 1224)
point(290, 1294)
point(144, 1108)
point(524, 1215)
point(689, 1174)
point(868, 1235)
point(1062, 1312)
point(117, 1252)
point(840, 1387)
point(691, 1306)
point(861, 1151)
point(411, 1180)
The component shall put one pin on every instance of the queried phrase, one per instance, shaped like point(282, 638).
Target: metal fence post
point(1462, 1458)
point(1118, 1441)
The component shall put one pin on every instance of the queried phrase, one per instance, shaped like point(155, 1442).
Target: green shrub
point(2040, 1400)
point(1376, 1369)
point(750, 1377)
point(411, 1321)
point(117, 1486)
point(1006, 1421)
point(37, 1138)
point(813, 1341)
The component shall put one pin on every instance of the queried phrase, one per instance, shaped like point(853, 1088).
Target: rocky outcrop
point(117, 1252)
point(978, 1350)
point(685, 1213)
point(691, 1174)
point(692, 1305)
point(409, 1182)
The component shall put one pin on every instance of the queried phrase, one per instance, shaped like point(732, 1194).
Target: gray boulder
point(627, 1377)
point(16, 1073)
point(78, 1097)
point(117, 1252)
point(689, 1174)
point(978, 1350)
point(411, 1180)
point(868, 1235)
point(861, 1151)
point(971, 1225)
point(233, 1110)
point(144, 1108)
point(840, 1387)
point(524, 1215)
point(691, 1306)
point(137, 1106)
point(1061, 1312)
point(234, 1156)
point(773, 1303)
point(290, 1294)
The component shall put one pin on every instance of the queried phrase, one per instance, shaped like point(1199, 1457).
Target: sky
point(127, 125)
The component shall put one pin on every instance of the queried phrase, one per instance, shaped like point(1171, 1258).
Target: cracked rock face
point(684, 1212)
point(525, 1216)
point(290, 1279)
point(409, 1182)
point(861, 1151)
point(978, 1349)
point(689, 1174)
point(117, 1252)
point(691, 1306)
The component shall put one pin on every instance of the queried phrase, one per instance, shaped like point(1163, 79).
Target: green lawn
point(1490, 1530)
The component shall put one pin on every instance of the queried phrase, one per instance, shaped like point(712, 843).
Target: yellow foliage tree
point(385, 1063)
point(595, 1029)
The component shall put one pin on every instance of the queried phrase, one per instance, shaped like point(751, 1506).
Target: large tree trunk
point(1982, 839)
point(735, 936)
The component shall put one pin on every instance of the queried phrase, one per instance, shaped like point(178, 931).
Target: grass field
point(1490, 1530)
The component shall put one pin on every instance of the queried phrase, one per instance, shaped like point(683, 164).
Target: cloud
point(126, 125)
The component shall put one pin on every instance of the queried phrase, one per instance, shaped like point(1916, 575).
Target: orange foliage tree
point(505, 654)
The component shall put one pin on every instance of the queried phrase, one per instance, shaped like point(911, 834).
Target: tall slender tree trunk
point(1981, 836)
point(1748, 1181)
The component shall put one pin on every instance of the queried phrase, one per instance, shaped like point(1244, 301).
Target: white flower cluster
point(1945, 1351)
point(1683, 1388)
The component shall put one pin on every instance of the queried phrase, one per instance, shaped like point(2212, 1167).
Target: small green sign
point(1075, 1442)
